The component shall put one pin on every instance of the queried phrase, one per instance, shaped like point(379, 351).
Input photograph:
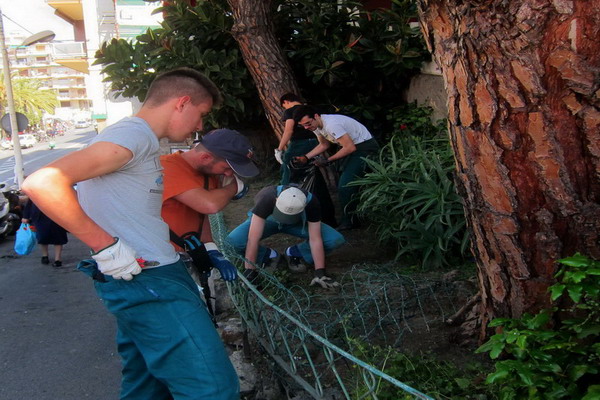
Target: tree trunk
point(523, 83)
point(254, 32)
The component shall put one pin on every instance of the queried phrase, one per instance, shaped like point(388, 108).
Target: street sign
point(22, 122)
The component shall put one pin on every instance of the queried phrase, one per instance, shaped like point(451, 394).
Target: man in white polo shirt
point(355, 141)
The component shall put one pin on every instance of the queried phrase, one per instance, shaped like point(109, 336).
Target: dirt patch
point(363, 247)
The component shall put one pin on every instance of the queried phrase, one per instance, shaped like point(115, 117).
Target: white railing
point(68, 50)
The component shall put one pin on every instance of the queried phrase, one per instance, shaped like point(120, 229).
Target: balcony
point(72, 9)
point(72, 55)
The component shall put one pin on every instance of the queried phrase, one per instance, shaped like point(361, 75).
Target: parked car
point(27, 140)
point(6, 144)
point(81, 124)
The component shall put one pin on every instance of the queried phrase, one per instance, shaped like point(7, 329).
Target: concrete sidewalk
point(57, 341)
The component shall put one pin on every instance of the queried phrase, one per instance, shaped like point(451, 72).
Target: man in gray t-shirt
point(166, 338)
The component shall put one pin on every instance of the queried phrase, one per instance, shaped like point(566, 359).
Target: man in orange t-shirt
point(192, 188)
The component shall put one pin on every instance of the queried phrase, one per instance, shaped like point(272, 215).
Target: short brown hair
point(182, 82)
point(290, 97)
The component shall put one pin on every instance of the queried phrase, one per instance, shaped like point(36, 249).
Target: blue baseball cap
point(234, 147)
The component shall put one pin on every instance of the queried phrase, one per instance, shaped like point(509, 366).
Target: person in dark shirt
point(47, 232)
point(296, 140)
point(296, 212)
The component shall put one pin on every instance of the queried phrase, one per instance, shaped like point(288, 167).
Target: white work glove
point(242, 188)
point(117, 260)
point(279, 156)
point(325, 282)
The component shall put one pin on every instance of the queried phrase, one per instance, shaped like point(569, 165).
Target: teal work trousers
point(167, 341)
point(238, 238)
point(295, 148)
point(353, 167)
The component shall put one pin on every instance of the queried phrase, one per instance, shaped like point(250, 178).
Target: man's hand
point(301, 160)
point(117, 260)
point(321, 162)
point(279, 156)
point(227, 270)
point(325, 282)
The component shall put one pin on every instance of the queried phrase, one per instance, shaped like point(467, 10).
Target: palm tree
point(29, 98)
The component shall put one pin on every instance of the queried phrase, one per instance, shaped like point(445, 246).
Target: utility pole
point(11, 107)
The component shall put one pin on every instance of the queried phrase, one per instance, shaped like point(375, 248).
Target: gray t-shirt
point(127, 202)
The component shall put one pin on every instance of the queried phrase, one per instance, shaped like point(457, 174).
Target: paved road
point(40, 154)
point(56, 337)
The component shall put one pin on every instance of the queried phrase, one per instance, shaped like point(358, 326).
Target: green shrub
point(551, 358)
point(438, 379)
point(352, 61)
point(414, 120)
point(410, 198)
point(197, 37)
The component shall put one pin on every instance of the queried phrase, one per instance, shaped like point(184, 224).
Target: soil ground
point(363, 247)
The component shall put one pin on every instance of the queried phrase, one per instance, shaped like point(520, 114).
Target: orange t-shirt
point(179, 177)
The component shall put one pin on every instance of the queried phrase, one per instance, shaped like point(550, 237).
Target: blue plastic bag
point(25, 241)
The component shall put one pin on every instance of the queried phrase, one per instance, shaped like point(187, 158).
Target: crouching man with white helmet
point(290, 210)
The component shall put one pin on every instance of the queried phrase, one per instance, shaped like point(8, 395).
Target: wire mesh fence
point(308, 333)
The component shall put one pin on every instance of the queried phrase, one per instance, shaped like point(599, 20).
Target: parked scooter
point(10, 210)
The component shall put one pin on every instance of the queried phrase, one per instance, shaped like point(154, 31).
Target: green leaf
point(556, 291)
point(575, 293)
point(593, 393)
point(577, 371)
point(577, 260)
point(497, 376)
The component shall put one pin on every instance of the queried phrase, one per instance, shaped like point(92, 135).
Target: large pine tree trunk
point(272, 74)
point(523, 83)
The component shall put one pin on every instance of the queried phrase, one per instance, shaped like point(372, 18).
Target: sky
point(33, 16)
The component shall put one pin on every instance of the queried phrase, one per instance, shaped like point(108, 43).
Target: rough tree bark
point(523, 83)
point(272, 74)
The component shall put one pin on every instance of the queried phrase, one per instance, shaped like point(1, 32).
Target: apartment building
point(95, 22)
point(38, 62)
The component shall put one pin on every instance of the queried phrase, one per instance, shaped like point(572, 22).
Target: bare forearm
point(217, 199)
point(287, 135)
point(317, 150)
point(318, 252)
point(341, 153)
point(347, 147)
point(208, 201)
point(257, 226)
point(54, 195)
point(251, 254)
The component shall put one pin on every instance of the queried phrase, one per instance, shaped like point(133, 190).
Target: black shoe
point(45, 260)
point(57, 264)
point(296, 264)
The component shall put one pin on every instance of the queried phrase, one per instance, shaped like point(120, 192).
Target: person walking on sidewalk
point(356, 143)
point(166, 339)
point(47, 233)
point(296, 212)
